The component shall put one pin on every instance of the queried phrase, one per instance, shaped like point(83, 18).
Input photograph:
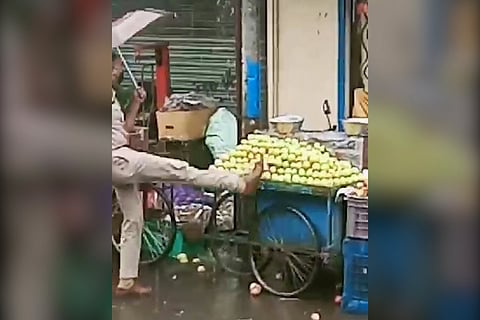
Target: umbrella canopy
point(127, 26)
point(131, 23)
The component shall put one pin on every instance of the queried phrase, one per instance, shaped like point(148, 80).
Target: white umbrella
point(127, 26)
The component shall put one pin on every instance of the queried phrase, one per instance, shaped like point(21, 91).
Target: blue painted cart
point(295, 231)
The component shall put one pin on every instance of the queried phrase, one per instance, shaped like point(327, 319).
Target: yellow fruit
point(287, 178)
point(306, 164)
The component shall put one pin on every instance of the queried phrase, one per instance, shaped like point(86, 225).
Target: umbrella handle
point(130, 74)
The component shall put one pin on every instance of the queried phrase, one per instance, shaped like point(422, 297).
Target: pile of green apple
point(290, 161)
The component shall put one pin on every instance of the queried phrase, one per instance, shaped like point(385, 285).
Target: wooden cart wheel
point(159, 229)
point(287, 236)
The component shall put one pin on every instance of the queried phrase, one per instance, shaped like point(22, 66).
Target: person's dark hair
point(115, 56)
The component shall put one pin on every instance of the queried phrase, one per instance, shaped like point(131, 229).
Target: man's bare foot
point(252, 181)
point(135, 290)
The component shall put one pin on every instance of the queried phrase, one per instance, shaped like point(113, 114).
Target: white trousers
point(129, 168)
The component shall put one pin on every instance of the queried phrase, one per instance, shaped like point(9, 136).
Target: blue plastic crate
point(355, 284)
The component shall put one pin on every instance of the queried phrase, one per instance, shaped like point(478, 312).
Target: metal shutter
point(202, 44)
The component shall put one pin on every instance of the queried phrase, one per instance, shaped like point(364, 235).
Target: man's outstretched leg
point(130, 200)
point(145, 167)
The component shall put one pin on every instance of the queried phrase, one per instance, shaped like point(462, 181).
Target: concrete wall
point(303, 59)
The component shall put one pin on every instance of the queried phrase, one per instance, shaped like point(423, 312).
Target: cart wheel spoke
point(158, 235)
point(230, 248)
point(296, 271)
point(297, 266)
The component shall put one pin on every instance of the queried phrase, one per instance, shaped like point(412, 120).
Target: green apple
point(218, 162)
point(286, 164)
point(324, 167)
point(280, 170)
point(317, 182)
point(291, 157)
point(294, 171)
point(303, 157)
point(295, 178)
point(303, 180)
point(287, 178)
point(288, 170)
point(301, 172)
point(309, 181)
point(309, 172)
point(317, 145)
point(316, 174)
point(275, 177)
point(336, 182)
point(355, 170)
point(316, 166)
point(329, 183)
point(306, 164)
point(273, 169)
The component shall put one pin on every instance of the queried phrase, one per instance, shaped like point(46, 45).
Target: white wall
point(303, 59)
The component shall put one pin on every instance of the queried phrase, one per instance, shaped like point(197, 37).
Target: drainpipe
point(252, 112)
point(239, 65)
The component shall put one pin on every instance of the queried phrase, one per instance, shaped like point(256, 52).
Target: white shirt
point(119, 134)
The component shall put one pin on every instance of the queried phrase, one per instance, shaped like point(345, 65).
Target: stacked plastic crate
point(355, 254)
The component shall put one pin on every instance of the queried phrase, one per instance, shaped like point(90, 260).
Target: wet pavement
point(180, 292)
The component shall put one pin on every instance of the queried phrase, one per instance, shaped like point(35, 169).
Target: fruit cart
point(293, 228)
point(292, 232)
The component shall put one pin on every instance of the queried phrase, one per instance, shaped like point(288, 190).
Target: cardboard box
point(183, 125)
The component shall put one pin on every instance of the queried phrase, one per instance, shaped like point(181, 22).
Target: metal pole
point(130, 74)
point(239, 66)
